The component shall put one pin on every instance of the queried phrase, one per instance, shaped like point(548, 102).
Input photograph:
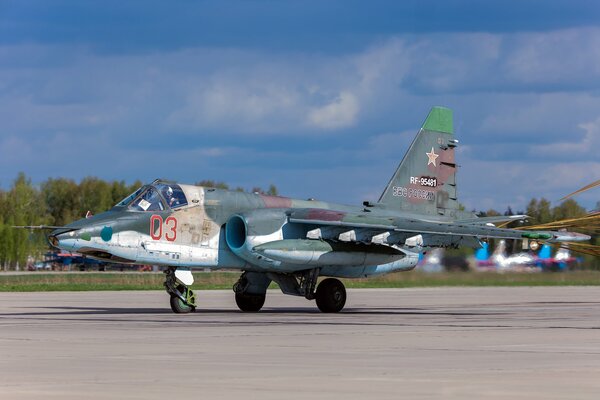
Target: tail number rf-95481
point(157, 226)
point(423, 181)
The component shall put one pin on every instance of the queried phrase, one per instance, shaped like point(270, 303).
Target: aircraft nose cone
point(59, 237)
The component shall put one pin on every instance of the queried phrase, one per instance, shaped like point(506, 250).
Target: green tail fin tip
point(439, 120)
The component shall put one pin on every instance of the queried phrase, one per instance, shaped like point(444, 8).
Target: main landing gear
point(250, 290)
point(183, 299)
point(330, 295)
point(250, 302)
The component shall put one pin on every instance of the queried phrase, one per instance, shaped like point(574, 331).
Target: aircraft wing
point(370, 228)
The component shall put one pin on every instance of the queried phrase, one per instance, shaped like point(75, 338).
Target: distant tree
point(5, 245)
point(488, 213)
point(95, 195)
point(568, 209)
point(539, 211)
point(272, 191)
point(120, 190)
point(213, 184)
point(5, 232)
point(61, 197)
point(24, 206)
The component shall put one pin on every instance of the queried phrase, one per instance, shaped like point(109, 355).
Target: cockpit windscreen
point(156, 197)
point(150, 200)
point(173, 194)
point(127, 200)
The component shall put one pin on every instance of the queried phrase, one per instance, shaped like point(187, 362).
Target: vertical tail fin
point(425, 181)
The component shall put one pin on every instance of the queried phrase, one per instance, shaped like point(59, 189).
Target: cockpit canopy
point(157, 196)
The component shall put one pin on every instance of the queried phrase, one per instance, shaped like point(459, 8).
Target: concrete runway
point(450, 343)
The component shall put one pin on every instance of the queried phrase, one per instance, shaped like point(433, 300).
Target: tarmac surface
point(450, 343)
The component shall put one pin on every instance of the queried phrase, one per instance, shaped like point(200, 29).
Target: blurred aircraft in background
point(525, 261)
point(432, 261)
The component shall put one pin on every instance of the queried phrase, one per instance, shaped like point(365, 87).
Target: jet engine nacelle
point(243, 232)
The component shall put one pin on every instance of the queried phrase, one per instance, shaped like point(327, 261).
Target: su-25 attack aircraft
point(293, 242)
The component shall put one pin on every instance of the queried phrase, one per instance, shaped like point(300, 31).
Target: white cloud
point(562, 58)
point(258, 107)
point(340, 113)
point(589, 143)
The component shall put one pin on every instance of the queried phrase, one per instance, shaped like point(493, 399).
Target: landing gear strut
point(183, 299)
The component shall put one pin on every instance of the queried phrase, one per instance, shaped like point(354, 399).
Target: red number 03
point(156, 228)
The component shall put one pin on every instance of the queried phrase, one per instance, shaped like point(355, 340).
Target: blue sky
point(320, 98)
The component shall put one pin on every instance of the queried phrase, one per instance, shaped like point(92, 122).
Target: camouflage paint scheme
point(278, 238)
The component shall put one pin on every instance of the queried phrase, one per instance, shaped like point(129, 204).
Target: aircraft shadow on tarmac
point(74, 310)
point(267, 316)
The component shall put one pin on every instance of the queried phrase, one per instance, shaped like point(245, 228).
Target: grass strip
point(478, 279)
point(40, 282)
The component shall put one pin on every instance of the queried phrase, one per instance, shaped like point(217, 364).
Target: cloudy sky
point(320, 98)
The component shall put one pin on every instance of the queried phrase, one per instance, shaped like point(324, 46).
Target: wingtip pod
point(569, 237)
point(555, 237)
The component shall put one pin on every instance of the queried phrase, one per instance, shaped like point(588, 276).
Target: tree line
point(541, 211)
point(59, 201)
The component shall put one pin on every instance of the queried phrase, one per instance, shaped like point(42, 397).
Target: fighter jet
point(294, 242)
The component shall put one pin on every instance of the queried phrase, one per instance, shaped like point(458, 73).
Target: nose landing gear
point(183, 299)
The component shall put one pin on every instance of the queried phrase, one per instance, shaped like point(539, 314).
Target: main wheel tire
point(179, 307)
point(250, 302)
point(330, 295)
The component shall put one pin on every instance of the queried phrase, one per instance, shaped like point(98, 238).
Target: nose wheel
point(185, 303)
point(183, 299)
